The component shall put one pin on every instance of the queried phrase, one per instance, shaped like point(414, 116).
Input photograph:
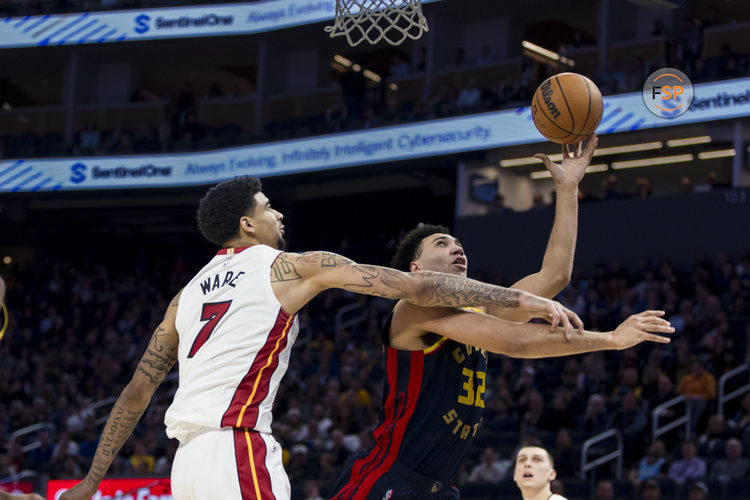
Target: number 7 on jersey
point(212, 312)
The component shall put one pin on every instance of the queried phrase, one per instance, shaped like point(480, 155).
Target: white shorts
point(229, 464)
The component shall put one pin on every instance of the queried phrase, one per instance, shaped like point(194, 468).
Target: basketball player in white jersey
point(232, 328)
point(534, 472)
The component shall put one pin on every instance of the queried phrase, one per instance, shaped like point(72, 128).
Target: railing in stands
point(587, 465)
point(657, 430)
point(29, 430)
point(350, 315)
point(743, 369)
point(100, 404)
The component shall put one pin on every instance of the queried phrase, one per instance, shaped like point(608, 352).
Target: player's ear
point(552, 475)
point(413, 266)
point(246, 225)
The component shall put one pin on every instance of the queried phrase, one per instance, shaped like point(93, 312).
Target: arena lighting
point(630, 148)
point(546, 53)
point(7, 260)
point(721, 153)
point(544, 174)
point(7, 106)
point(527, 160)
point(342, 60)
point(647, 162)
point(372, 76)
point(356, 67)
point(688, 141)
point(393, 86)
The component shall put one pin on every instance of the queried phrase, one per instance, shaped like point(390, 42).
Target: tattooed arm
point(156, 362)
point(297, 278)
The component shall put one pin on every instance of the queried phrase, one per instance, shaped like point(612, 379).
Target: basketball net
point(374, 20)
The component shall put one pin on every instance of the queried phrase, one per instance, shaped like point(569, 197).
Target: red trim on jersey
point(254, 387)
point(375, 456)
point(415, 383)
point(231, 250)
point(250, 453)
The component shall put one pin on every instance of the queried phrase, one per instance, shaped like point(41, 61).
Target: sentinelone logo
point(78, 172)
point(142, 22)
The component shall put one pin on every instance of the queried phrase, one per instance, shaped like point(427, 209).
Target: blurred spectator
point(485, 55)
point(732, 466)
point(712, 19)
point(564, 456)
point(399, 67)
point(699, 387)
point(470, 96)
point(698, 491)
point(610, 190)
point(312, 490)
point(650, 490)
point(142, 461)
point(41, 457)
point(653, 465)
point(490, 470)
point(686, 185)
point(595, 418)
point(689, 467)
point(605, 490)
point(643, 187)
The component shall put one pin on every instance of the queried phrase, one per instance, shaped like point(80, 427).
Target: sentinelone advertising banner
point(120, 489)
point(149, 24)
point(714, 101)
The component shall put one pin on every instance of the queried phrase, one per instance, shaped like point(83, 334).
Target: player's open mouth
point(461, 261)
point(528, 474)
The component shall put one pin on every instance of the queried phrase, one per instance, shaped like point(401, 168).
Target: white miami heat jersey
point(235, 341)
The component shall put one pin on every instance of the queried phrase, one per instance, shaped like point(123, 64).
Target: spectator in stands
point(610, 190)
point(595, 418)
point(686, 185)
point(653, 465)
point(399, 67)
point(650, 490)
point(141, 461)
point(632, 420)
point(643, 187)
point(698, 491)
point(565, 456)
point(312, 490)
point(605, 490)
point(90, 138)
point(485, 56)
point(690, 466)
point(41, 457)
point(470, 96)
point(699, 387)
point(490, 470)
point(741, 419)
point(712, 19)
point(732, 466)
point(64, 447)
point(689, 43)
point(711, 444)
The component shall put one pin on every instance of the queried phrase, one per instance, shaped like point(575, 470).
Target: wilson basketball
point(567, 108)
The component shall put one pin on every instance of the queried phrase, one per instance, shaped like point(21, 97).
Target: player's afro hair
point(220, 209)
point(410, 247)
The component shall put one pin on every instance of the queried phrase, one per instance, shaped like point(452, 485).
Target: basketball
point(567, 108)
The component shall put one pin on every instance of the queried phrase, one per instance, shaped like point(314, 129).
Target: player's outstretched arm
point(29, 496)
point(557, 265)
point(156, 362)
point(297, 278)
point(525, 340)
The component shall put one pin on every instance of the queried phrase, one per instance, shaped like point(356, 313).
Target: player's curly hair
point(409, 248)
point(220, 209)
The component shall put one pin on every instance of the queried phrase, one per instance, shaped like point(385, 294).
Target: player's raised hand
point(639, 327)
point(554, 312)
point(573, 165)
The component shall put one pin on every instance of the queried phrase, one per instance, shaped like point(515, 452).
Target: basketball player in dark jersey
point(436, 358)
